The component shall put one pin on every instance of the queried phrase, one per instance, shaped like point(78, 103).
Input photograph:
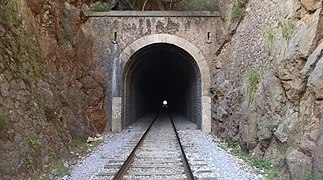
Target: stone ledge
point(88, 13)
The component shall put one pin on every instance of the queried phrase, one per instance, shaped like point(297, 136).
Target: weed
point(237, 12)
point(234, 148)
point(79, 144)
point(8, 15)
point(257, 162)
point(251, 81)
point(272, 172)
point(197, 5)
point(100, 8)
point(230, 142)
point(269, 37)
point(260, 162)
point(34, 143)
point(228, 27)
point(29, 161)
point(305, 176)
point(288, 28)
point(59, 169)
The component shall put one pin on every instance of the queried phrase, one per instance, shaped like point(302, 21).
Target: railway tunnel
point(158, 72)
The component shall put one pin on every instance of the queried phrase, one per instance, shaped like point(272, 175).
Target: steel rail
point(124, 168)
point(187, 168)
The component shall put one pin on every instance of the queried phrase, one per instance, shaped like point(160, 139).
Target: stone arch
point(197, 55)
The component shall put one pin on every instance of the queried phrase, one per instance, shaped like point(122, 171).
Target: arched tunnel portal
point(158, 72)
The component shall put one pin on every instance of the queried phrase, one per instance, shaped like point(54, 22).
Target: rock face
point(312, 5)
point(282, 40)
point(299, 164)
point(51, 91)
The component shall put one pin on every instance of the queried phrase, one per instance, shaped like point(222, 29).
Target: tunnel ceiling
point(162, 71)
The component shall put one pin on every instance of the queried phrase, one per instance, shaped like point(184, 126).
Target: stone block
point(141, 43)
point(198, 56)
point(128, 51)
point(134, 46)
point(182, 43)
point(206, 114)
point(169, 38)
point(116, 114)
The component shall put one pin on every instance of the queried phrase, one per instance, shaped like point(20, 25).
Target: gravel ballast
point(112, 146)
point(225, 165)
point(222, 164)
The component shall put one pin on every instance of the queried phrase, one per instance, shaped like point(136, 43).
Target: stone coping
point(88, 13)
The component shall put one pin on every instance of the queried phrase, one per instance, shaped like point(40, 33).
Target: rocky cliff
point(268, 85)
point(50, 89)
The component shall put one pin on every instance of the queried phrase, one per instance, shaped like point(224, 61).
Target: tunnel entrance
point(158, 72)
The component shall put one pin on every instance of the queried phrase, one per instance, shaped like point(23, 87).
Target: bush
point(198, 5)
point(8, 14)
point(269, 37)
point(34, 143)
point(29, 160)
point(251, 81)
point(288, 28)
point(270, 169)
point(100, 8)
point(237, 12)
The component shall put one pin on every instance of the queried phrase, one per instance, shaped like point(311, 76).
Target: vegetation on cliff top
point(157, 5)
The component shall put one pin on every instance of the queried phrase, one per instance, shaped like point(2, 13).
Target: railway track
point(158, 154)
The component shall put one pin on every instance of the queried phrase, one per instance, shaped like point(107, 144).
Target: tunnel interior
point(160, 72)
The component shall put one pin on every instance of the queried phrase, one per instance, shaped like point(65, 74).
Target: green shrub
point(59, 169)
point(269, 37)
point(197, 5)
point(288, 28)
point(34, 143)
point(8, 15)
point(256, 162)
point(29, 161)
point(100, 8)
point(80, 144)
point(251, 81)
point(260, 162)
point(230, 142)
point(237, 12)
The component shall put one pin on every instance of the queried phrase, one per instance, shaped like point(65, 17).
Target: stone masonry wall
point(113, 32)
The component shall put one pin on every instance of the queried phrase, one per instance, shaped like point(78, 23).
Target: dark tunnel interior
point(162, 72)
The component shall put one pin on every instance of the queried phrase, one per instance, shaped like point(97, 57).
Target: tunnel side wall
point(123, 36)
